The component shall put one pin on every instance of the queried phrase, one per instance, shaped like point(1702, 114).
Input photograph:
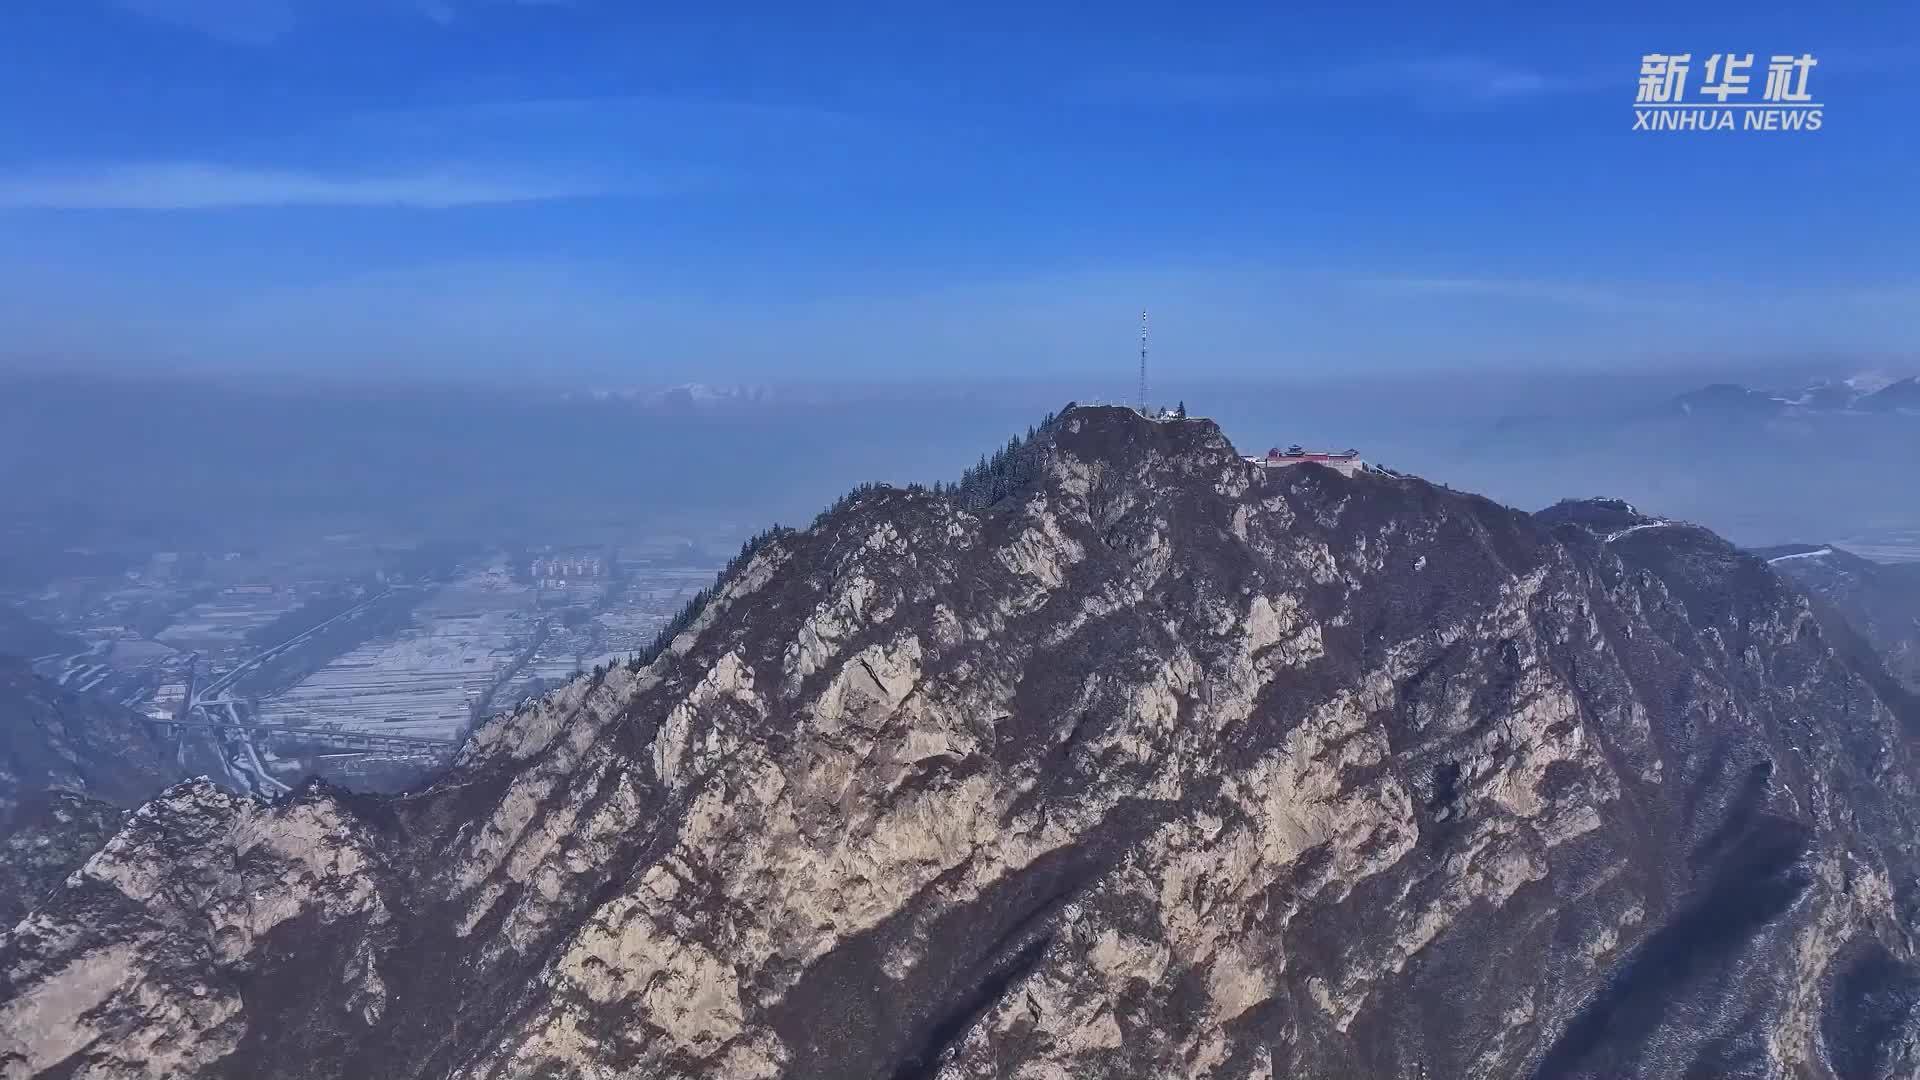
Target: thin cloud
point(1430, 81)
point(446, 11)
point(242, 22)
point(263, 22)
point(680, 144)
point(192, 186)
point(1446, 80)
point(1174, 88)
point(621, 113)
point(1600, 298)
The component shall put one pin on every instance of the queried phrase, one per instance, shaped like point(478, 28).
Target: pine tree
point(686, 615)
point(992, 478)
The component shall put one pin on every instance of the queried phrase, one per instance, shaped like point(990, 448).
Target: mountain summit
point(1146, 762)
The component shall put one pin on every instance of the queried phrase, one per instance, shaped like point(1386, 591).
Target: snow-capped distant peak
point(1866, 391)
point(704, 394)
point(691, 395)
point(1869, 382)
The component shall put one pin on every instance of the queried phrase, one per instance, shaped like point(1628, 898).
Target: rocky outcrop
point(1156, 767)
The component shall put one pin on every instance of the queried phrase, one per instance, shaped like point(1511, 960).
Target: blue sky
point(589, 188)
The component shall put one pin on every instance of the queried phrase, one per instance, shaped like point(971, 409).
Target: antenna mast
point(1143, 362)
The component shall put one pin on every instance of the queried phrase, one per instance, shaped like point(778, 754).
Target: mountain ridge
point(1860, 394)
point(1158, 763)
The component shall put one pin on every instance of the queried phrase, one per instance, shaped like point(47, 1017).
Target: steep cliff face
point(1157, 767)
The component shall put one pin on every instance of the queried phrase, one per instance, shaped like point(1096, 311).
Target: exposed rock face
point(1156, 768)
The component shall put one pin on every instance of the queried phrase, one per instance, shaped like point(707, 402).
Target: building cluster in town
point(557, 571)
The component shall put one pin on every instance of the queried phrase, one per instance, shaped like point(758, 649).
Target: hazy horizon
point(174, 460)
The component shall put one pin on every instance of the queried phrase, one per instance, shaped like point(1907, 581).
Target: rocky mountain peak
point(1123, 757)
point(1599, 515)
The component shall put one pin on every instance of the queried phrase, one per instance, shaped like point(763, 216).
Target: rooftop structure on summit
point(1346, 462)
point(1143, 361)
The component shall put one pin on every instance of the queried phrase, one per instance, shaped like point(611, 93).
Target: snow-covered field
point(423, 681)
point(226, 620)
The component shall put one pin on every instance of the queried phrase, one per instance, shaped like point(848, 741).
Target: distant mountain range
point(1860, 394)
point(689, 397)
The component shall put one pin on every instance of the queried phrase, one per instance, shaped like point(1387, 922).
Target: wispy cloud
point(683, 144)
point(262, 22)
point(1181, 88)
point(1439, 81)
point(243, 22)
point(1446, 80)
point(624, 115)
point(1573, 294)
point(446, 11)
point(194, 186)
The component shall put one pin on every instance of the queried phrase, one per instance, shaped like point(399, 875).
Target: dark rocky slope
point(53, 738)
point(43, 839)
point(1878, 601)
point(1157, 767)
point(24, 636)
point(67, 763)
